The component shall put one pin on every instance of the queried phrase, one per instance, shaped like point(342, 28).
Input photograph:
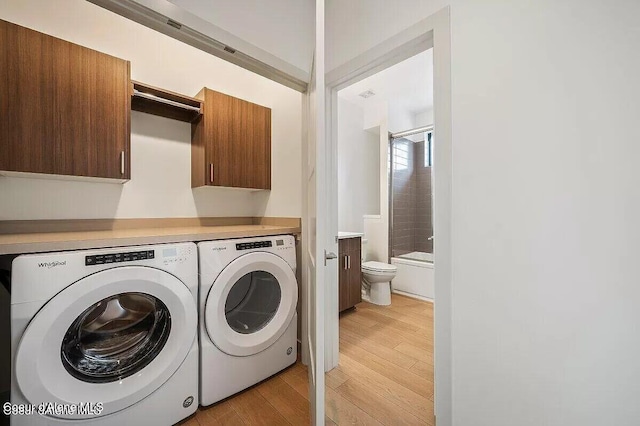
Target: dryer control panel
point(284, 244)
point(254, 245)
point(216, 255)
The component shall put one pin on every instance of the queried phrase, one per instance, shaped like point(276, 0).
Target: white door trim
point(434, 31)
point(315, 232)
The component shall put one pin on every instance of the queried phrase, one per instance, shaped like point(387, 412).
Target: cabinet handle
point(121, 162)
point(345, 262)
point(349, 260)
point(211, 172)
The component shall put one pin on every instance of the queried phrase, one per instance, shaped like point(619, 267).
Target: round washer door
point(112, 337)
point(251, 304)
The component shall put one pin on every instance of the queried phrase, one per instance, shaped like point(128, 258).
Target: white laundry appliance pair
point(109, 336)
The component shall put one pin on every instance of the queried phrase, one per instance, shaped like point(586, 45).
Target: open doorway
point(321, 217)
point(385, 285)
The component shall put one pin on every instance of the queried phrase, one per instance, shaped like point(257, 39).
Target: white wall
point(358, 168)
point(160, 149)
point(376, 227)
point(399, 119)
point(545, 202)
point(424, 118)
point(374, 114)
point(354, 26)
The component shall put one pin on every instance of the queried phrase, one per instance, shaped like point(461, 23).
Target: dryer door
point(113, 337)
point(251, 304)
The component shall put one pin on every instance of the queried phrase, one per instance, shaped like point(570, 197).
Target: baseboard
point(413, 296)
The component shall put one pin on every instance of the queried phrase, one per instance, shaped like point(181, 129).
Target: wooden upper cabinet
point(65, 109)
point(231, 143)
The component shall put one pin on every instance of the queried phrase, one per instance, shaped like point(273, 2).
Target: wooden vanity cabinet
point(349, 273)
point(65, 109)
point(231, 143)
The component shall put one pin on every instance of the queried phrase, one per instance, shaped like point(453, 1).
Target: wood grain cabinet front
point(231, 143)
point(65, 109)
point(349, 273)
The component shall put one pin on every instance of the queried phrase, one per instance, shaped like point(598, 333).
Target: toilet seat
point(376, 268)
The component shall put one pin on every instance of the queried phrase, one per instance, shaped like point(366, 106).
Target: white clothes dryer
point(248, 320)
point(105, 337)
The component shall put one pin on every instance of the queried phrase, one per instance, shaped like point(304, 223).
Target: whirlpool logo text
point(53, 264)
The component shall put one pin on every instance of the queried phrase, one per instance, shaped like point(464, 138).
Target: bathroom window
point(400, 156)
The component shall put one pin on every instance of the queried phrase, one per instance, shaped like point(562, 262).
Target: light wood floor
point(385, 376)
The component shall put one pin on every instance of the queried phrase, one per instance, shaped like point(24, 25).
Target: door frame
point(316, 237)
point(431, 32)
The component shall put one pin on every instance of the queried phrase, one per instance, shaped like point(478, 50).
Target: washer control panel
point(100, 259)
point(284, 244)
point(176, 255)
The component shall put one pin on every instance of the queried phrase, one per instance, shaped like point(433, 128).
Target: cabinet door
point(201, 171)
point(344, 278)
point(259, 147)
point(233, 139)
point(355, 271)
point(65, 108)
point(219, 136)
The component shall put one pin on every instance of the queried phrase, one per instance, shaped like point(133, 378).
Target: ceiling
point(284, 28)
point(273, 38)
point(406, 86)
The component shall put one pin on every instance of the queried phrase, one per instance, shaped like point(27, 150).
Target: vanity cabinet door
point(349, 273)
point(355, 271)
point(344, 276)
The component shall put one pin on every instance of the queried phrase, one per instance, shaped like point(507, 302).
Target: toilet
point(376, 282)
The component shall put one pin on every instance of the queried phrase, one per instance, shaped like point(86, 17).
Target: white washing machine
point(248, 320)
point(105, 337)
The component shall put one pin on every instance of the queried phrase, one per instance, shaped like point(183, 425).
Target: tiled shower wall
point(411, 193)
point(403, 193)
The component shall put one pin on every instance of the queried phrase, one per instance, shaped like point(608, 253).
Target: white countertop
point(343, 235)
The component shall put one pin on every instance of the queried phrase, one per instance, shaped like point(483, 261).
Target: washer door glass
point(252, 302)
point(116, 337)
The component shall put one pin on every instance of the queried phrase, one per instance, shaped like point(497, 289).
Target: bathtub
point(414, 277)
